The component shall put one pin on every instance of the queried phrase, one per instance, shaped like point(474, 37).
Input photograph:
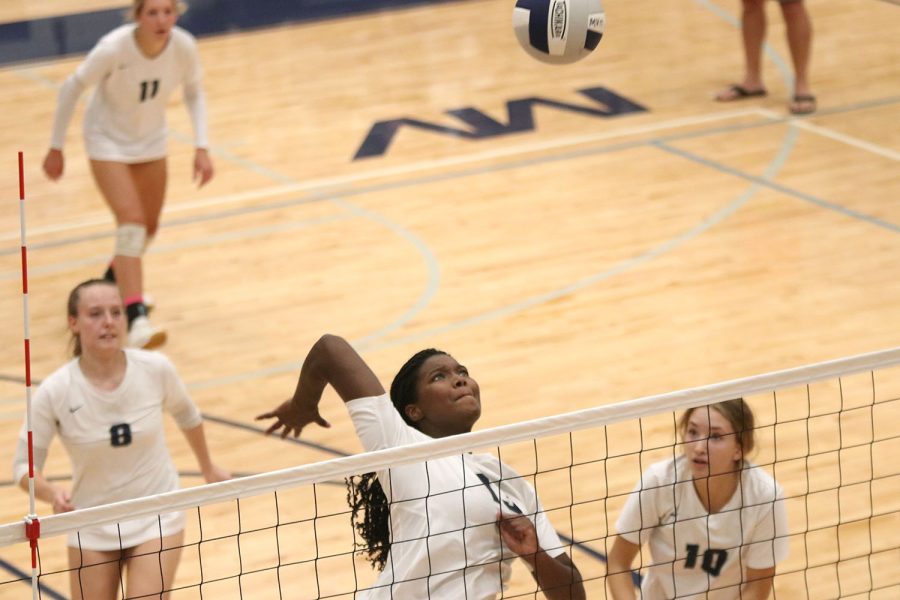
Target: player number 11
point(149, 89)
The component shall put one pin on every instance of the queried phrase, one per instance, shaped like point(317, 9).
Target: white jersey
point(115, 441)
point(126, 116)
point(695, 554)
point(444, 539)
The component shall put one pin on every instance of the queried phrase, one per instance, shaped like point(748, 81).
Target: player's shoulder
point(115, 38)
point(54, 388)
point(61, 378)
point(183, 39)
point(664, 472)
point(758, 484)
point(149, 360)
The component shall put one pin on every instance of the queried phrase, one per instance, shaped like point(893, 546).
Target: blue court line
point(10, 482)
point(764, 182)
point(431, 264)
point(662, 248)
point(175, 222)
point(429, 179)
point(369, 342)
point(174, 247)
point(337, 197)
point(635, 575)
point(254, 429)
point(46, 591)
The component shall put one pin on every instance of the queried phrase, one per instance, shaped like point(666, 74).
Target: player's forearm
point(759, 589)
point(618, 569)
point(196, 438)
point(559, 579)
point(68, 97)
point(333, 361)
point(621, 587)
point(44, 490)
point(195, 100)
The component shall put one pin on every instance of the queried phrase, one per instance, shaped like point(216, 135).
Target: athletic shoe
point(142, 334)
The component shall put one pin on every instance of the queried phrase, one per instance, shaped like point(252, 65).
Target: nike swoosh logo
point(72, 410)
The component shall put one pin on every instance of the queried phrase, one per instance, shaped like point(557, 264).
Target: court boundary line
point(322, 185)
point(849, 140)
point(769, 116)
point(26, 579)
point(534, 300)
point(772, 185)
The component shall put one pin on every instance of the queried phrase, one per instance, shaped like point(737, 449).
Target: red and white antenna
point(32, 525)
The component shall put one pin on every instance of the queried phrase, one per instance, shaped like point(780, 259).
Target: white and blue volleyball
point(558, 31)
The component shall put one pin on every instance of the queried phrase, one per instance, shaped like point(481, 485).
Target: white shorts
point(133, 533)
point(101, 146)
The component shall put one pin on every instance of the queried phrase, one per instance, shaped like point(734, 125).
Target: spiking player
point(445, 529)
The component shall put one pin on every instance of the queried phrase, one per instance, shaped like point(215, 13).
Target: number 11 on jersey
point(149, 89)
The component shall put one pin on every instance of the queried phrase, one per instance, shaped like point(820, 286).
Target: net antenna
point(32, 524)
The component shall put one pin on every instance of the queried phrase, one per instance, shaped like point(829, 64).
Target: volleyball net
point(828, 433)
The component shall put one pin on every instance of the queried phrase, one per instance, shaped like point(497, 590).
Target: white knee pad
point(130, 240)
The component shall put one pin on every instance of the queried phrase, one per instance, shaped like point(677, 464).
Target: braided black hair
point(364, 492)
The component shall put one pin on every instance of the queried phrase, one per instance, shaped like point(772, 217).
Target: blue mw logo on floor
point(481, 126)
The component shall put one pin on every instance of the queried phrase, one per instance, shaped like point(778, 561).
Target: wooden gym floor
point(585, 260)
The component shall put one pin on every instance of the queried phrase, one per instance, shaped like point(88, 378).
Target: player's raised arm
point(331, 361)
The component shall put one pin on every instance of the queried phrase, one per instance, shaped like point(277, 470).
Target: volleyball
point(558, 31)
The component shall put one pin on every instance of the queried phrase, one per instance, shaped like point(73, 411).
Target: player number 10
point(713, 560)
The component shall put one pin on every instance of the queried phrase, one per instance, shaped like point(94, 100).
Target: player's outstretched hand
point(291, 418)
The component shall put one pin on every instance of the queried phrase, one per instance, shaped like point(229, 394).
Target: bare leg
point(135, 194)
point(150, 179)
point(753, 34)
point(151, 571)
point(94, 575)
point(799, 37)
point(121, 194)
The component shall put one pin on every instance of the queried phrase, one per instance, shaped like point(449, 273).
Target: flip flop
point(739, 92)
point(802, 104)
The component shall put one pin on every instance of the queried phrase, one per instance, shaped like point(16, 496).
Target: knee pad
point(130, 240)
